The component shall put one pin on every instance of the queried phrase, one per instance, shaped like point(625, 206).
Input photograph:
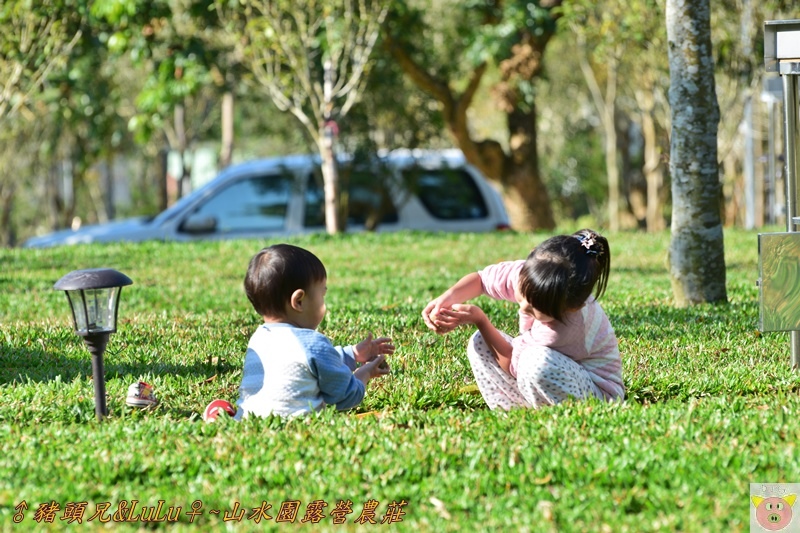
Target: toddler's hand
point(373, 369)
point(370, 348)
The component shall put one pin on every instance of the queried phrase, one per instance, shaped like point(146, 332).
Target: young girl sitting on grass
point(566, 347)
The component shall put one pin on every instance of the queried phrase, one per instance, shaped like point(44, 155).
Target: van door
point(365, 193)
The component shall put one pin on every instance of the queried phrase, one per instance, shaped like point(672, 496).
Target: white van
point(417, 190)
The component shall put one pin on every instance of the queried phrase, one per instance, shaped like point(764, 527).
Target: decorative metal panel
point(779, 281)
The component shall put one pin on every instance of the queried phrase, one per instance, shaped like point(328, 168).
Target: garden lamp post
point(779, 253)
point(93, 296)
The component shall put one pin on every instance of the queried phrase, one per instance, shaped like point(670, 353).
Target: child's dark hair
point(560, 274)
point(276, 272)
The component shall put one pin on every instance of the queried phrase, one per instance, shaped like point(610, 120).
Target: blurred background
point(118, 108)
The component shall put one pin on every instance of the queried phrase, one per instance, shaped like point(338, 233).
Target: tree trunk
point(606, 104)
point(760, 178)
point(182, 147)
point(108, 179)
point(94, 188)
point(330, 177)
point(524, 193)
point(732, 191)
point(612, 165)
point(226, 150)
point(697, 252)
point(163, 176)
point(526, 197)
point(62, 194)
point(7, 193)
point(653, 174)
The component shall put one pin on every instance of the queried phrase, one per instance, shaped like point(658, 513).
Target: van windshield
point(178, 207)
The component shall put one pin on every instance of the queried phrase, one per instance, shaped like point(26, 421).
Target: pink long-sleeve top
point(585, 336)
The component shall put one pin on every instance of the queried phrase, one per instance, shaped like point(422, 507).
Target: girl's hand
point(467, 288)
point(435, 319)
point(370, 348)
point(460, 314)
point(430, 314)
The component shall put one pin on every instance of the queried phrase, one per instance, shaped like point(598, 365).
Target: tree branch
point(435, 87)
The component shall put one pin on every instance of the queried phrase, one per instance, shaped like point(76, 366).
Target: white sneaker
point(140, 394)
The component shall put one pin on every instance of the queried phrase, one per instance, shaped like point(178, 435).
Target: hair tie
point(587, 241)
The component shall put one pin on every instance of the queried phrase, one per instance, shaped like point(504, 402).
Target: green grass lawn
point(712, 403)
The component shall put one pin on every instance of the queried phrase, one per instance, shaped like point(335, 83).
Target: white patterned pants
point(544, 377)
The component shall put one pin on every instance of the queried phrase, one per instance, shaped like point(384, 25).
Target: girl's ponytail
point(597, 248)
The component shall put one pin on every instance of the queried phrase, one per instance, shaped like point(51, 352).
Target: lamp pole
point(96, 344)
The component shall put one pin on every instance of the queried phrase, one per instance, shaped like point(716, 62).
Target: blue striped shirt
point(289, 371)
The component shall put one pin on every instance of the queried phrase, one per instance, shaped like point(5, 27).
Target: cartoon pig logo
point(774, 513)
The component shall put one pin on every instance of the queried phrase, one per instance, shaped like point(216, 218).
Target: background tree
point(36, 37)
point(473, 36)
point(614, 48)
point(189, 70)
point(149, 63)
point(88, 130)
point(22, 137)
point(737, 32)
point(311, 56)
point(697, 252)
point(392, 112)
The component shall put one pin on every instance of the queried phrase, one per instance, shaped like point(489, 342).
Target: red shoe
point(216, 407)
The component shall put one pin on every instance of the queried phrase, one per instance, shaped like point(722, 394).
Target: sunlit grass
point(710, 407)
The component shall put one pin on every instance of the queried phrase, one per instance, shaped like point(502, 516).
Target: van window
point(368, 200)
point(447, 193)
point(255, 203)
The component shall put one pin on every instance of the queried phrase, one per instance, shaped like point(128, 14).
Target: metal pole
point(749, 167)
point(771, 181)
point(746, 28)
point(790, 128)
point(96, 343)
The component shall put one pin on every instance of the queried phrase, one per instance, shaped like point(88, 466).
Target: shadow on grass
point(649, 395)
point(67, 258)
point(658, 322)
point(21, 365)
point(654, 270)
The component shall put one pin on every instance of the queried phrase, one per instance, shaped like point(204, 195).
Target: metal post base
point(96, 343)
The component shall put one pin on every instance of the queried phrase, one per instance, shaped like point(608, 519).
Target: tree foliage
point(613, 40)
point(103, 78)
point(287, 45)
point(36, 36)
point(508, 38)
point(312, 57)
point(187, 62)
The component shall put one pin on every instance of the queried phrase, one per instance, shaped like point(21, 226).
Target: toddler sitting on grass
point(290, 368)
